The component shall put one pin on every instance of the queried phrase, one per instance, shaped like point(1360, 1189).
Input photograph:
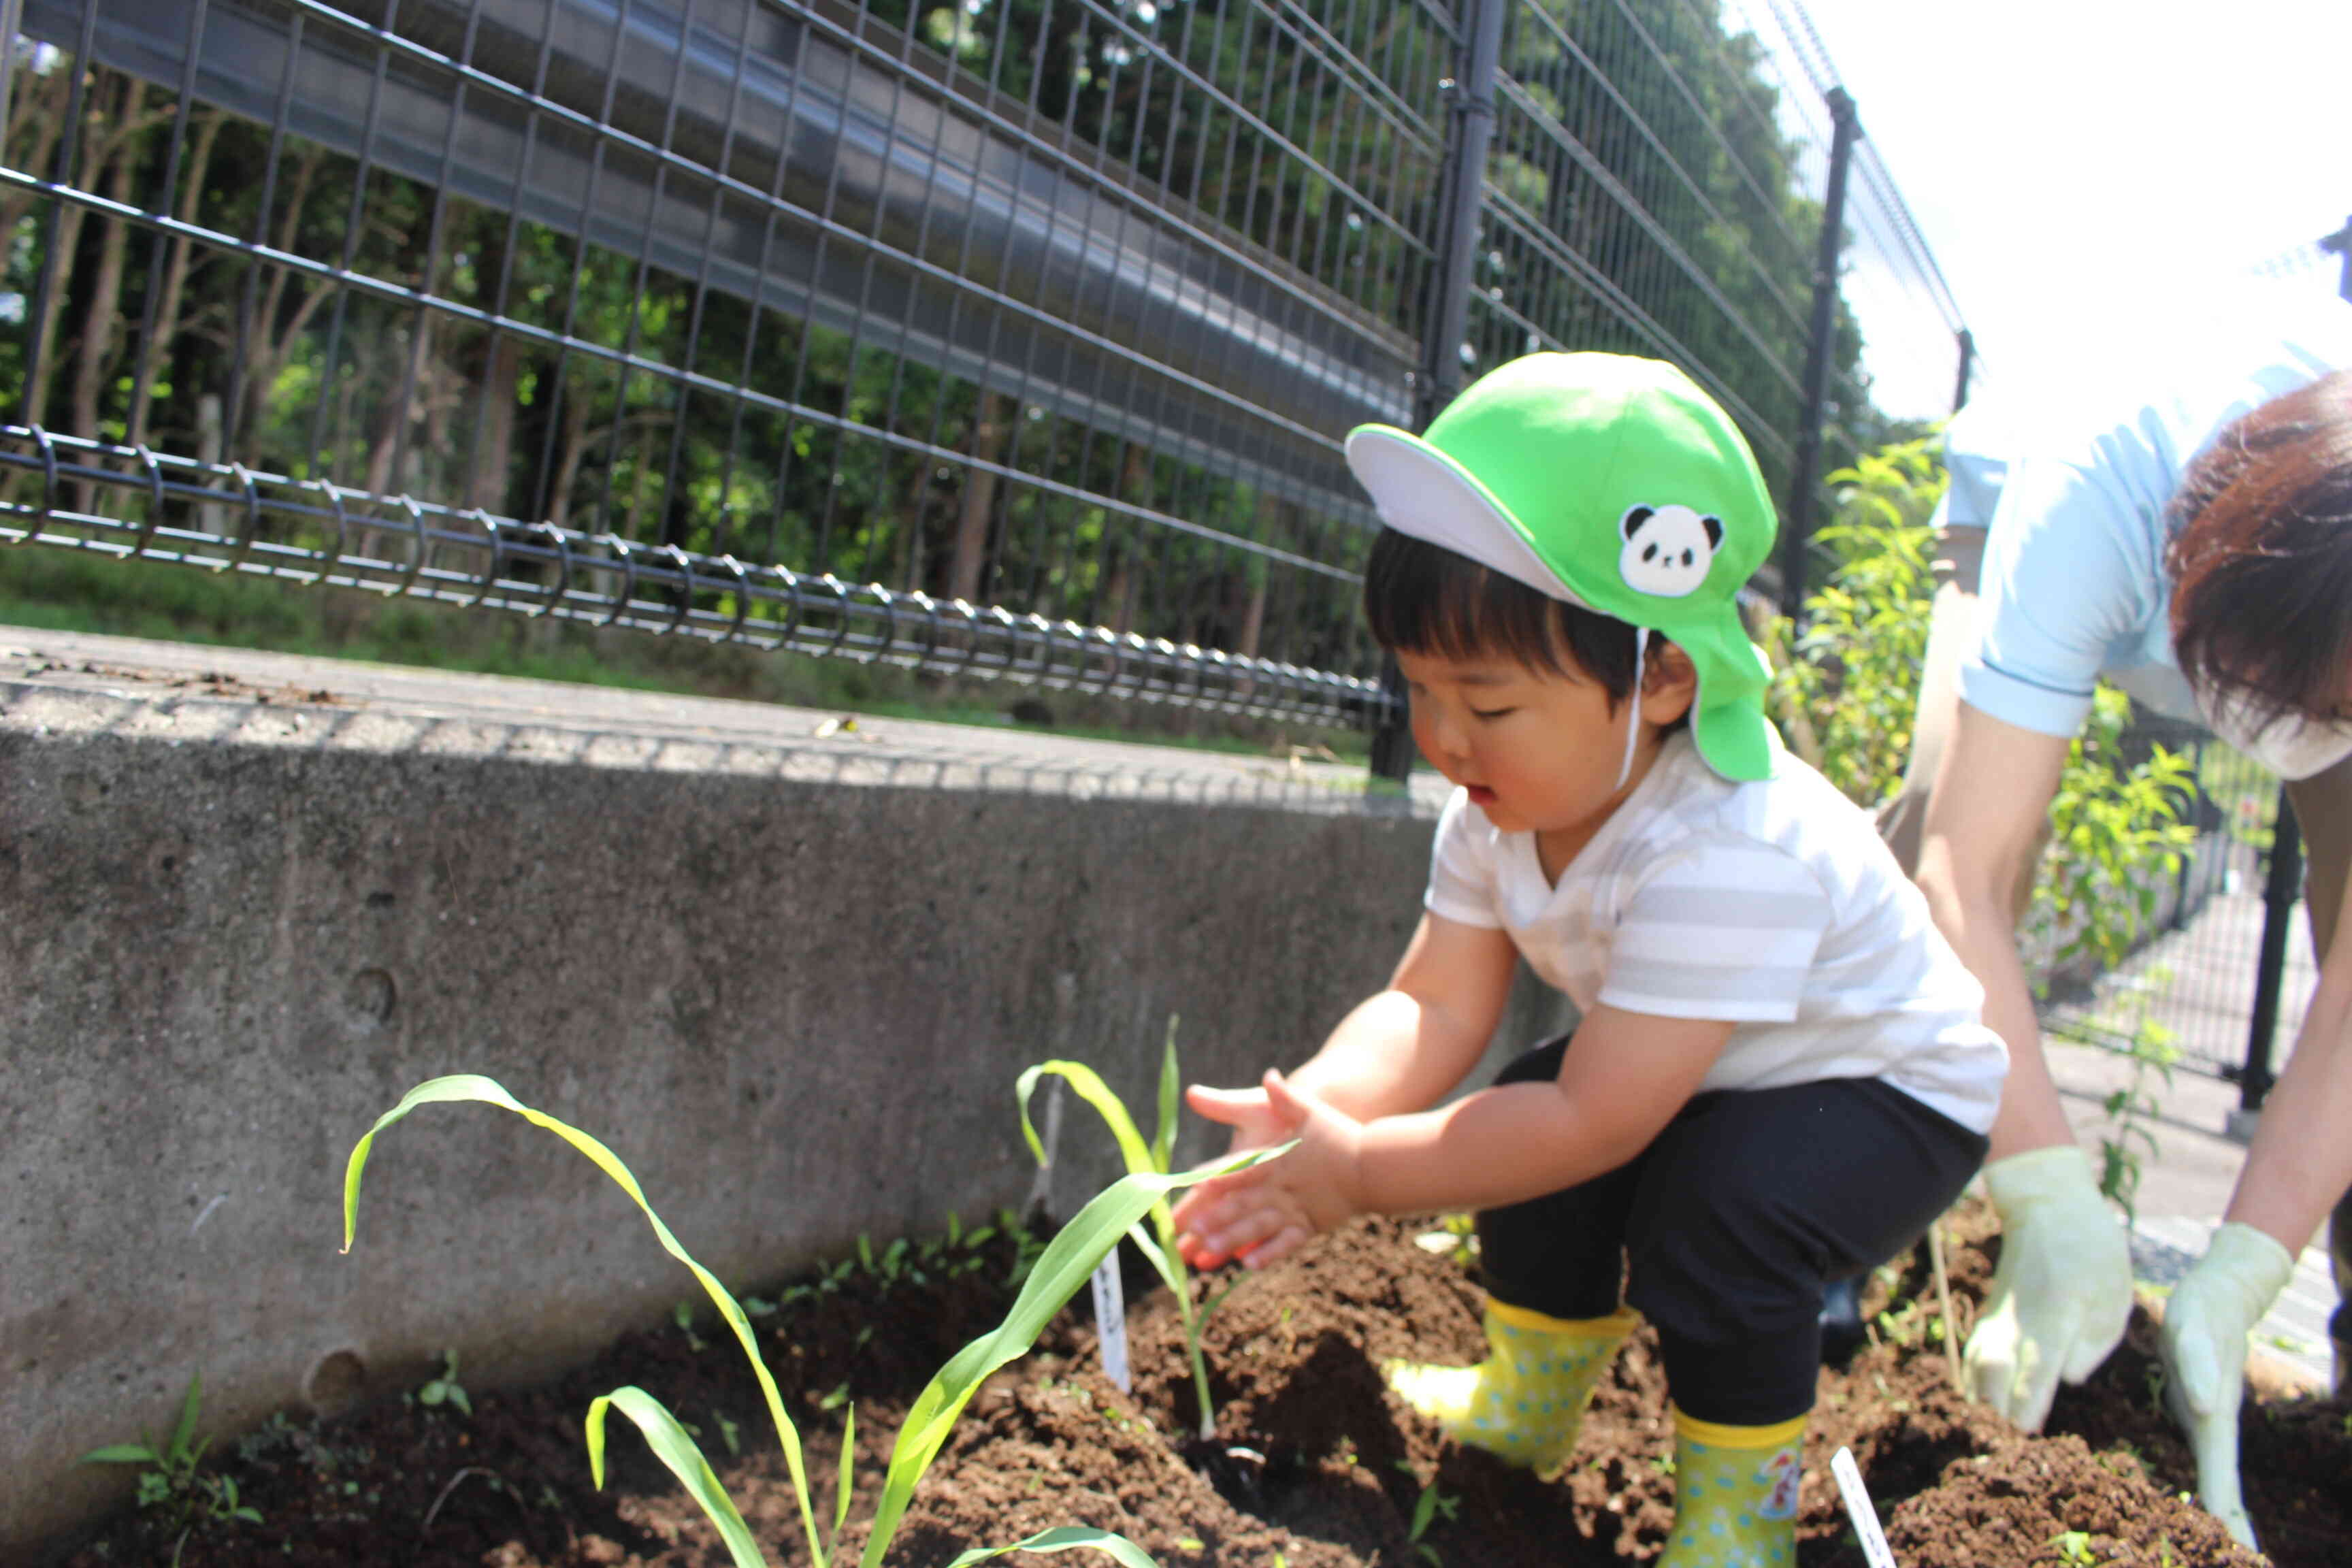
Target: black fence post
point(1470, 131)
point(1845, 127)
point(11, 14)
point(2280, 894)
point(1967, 362)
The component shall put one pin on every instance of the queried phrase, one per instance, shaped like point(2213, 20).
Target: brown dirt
point(1313, 1465)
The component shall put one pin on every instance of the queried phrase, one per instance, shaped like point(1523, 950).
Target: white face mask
point(2291, 746)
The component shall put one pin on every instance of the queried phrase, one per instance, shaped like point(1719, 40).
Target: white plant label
point(1858, 1508)
point(1110, 1317)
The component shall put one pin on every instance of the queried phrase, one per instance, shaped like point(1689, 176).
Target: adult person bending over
point(2192, 541)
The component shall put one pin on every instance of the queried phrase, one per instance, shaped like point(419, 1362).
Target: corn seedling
point(1144, 1158)
point(1060, 1268)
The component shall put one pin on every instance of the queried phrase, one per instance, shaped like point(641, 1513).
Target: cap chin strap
point(1633, 706)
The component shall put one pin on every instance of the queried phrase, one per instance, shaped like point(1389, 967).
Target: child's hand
point(1248, 1111)
point(1268, 1210)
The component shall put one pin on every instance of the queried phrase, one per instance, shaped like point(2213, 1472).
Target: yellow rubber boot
point(1524, 1402)
point(1735, 1495)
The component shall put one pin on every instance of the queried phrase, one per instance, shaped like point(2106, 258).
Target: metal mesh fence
point(1642, 199)
point(1901, 354)
point(1010, 337)
point(2196, 967)
point(1004, 337)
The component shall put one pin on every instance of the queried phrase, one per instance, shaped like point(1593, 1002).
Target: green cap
point(1610, 482)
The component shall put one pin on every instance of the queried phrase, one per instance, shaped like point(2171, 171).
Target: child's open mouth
point(1480, 794)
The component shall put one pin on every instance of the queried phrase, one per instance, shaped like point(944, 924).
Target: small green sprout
point(1429, 1507)
point(446, 1389)
point(2074, 1546)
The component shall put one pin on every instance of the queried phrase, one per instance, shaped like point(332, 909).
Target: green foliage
point(1062, 1268)
point(2129, 1108)
point(1685, 112)
point(172, 1482)
point(446, 1389)
point(1430, 1506)
point(1848, 695)
point(1143, 1158)
point(2116, 835)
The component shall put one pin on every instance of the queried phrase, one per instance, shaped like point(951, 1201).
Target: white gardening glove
point(2206, 1322)
point(2064, 1290)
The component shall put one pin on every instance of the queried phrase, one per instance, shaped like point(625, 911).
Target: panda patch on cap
point(1668, 549)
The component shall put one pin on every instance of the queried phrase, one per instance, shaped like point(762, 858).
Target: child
point(1780, 1078)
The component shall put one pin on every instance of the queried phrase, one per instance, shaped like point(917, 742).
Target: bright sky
point(2078, 163)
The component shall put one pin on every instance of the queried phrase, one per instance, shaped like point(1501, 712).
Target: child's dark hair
point(1424, 598)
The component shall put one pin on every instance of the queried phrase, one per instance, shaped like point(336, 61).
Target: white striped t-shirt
point(1771, 905)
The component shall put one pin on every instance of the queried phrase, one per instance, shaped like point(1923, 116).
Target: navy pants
point(1724, 1231)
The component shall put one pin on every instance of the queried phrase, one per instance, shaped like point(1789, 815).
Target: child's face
point(1539, 753)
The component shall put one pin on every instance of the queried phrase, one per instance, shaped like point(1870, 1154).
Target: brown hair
point(2263, 557)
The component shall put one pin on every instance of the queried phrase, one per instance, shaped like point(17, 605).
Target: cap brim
point(1420, 491)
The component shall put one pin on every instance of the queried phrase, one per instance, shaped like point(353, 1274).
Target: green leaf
point(1140, 1157)
point(1427, 1509)
point(1058, 1274)
point(1171, 1273)
point(673, 1448)
point(122, 1454)
point(1171, 1092)
point(1216, 1302)
point(183, 1432)
point(473, 1087)
point(1067, 1538)
point(841, 1481)
point(1095, 1092)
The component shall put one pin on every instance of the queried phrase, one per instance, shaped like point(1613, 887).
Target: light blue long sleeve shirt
point(2078, 504)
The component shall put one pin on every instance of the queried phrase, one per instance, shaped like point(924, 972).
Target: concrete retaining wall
point(789, 979)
